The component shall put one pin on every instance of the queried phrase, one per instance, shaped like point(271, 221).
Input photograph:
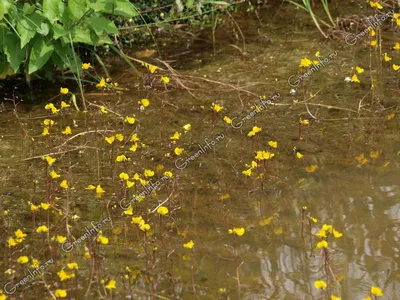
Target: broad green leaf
point(26, 31)
point(59, 31)
point(28, 9)
point(101, 5)
point(124, 8)
point(189, 3)
point(44, 29)
point(83, 35)
point(5, 6)
point(53, 9)
point(77, 8)
point(29, 25)
point(15, 55)
point(104, 39)
point(102, 25)
point(40, 54)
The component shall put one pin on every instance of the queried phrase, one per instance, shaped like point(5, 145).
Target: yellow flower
point(129, 211)
point(247, 172)
point(86, 66)
point(111, 285)
point(354, 78)
point(102, 239)
point(64, 91)
point(67, 130)
point(237, 231)
point(99, 191)
point(189, 245)
point(266, 221)
point(45, 206)
point(373, 43)
point(336, 233)
point(144, 227)
point(51, 107)
point(396, 67)
point(23, 260)
point(390, 116)
point(386, 57)
point(133, 148)
point(367, 298)
point(64, 184)
point(130, 120)
point(19, 234)
point(175, 136)
point(119, 137)
point(123, 176)
point(178, 151)
point(187, 127)
point(304, 122)
point(48, 122)
point(396, 46)
point(11, 242)
point(45, 131)
point(299, 155)
point(103, 109)
point(110, 139)
point(255, 130)
point(165, 79)
point(321, 233)
point(59, 293)
point(333, 297)
point(121, 158)
point(64, 105)
point(227, 120)
point(315, 220)
point(34, 207)
point(376, 291)
point(305, 62)
point(311, 169)
point(64, 275)
point(372, 32)
point(264, 155)
point(137, 220)
point(375, 4)
point(162, 210)
point(327, 227)
point(49, 159)
point(42, 228)
point(322, 244)
point(102, 83)
point(145, 102)
point(320, 284)
point(273, 144)
point(317, 54)
point(168, 173)
point(359, 70)
point(151, 68)
point(217, 108)
point(35, 263)
point(61, 239)
point(90, 187)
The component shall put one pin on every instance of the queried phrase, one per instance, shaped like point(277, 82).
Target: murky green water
point(276, 261)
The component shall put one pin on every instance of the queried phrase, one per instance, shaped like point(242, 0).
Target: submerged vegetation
point(259, 168)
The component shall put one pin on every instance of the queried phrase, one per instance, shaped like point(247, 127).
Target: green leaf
point(101, 5)
point(26, 31)
point(189, 3)
point(124, 8)
point(59, 31)
point(11, 46)
point(76, 8)
point(5, 6)
point(5, 68)
point(29, 25)
point(40, 54)
point(102, 25)
point(28, 9)
point(216, 2)
point(53, 9)
point(83, 35)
